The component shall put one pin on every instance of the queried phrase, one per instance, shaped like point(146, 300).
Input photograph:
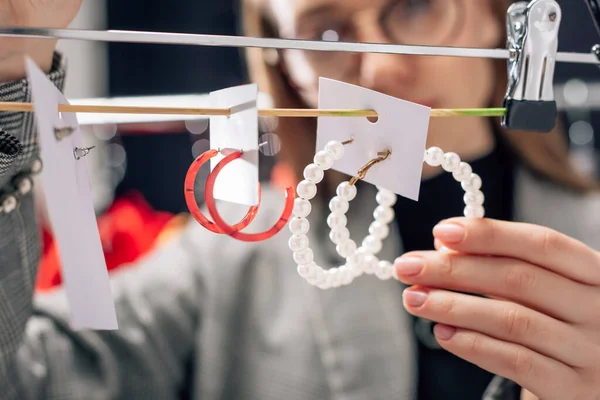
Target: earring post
point(362, 172)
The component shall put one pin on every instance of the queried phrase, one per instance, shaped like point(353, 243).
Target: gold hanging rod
point(268, 112)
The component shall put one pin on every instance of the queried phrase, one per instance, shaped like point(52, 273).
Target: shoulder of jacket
point(227, 250)
point(547, 204)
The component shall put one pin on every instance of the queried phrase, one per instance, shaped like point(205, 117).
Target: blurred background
point(137, 172)
point(155, 164)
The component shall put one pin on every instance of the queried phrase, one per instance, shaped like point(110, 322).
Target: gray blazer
point(214, 318)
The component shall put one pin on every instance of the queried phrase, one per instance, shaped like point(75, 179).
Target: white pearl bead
point(444, 250)
point(337, 221)
point(318, 276)
point(326, 283)
point(9, 204)
point(379, 230)
point(299, 226)
point(298, 243)
point(336, 149)
point(327, 280)
point(386, 198)
point(370, 264)
point(346, 248)
point(339, 235)
point(383, 214)
point(474, 198)
point(372, 244)
point(330, 275)
point(434, 156)
point(363, 255)
point(337, 205)
point(474, 211)
point(472, 184)
point(384, 270)
point(307, 271)
point(302, 207)
point(313, 173)
point(356, 259)
point(345, 191)
point(347, 275)
point(362, 252)
point(306, 189)
point(337, 278)
point(394, 273)
point(355, 272)
point(463, 172)
point(323, 159)
point(451, 162)
point(303, 257)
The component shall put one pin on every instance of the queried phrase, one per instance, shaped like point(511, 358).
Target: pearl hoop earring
point(383, 214)
point(362, 260)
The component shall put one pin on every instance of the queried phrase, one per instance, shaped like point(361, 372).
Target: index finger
point(535, 244)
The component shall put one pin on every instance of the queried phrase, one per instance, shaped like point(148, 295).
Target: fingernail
point(444, 332)
point(414, 298)
point(409, 266)
point(449, 233)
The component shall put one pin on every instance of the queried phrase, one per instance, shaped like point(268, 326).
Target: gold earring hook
point(362, 172)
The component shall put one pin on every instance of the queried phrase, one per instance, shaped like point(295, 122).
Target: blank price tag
point(70, 209)
point(238, 182)
point(401, 128)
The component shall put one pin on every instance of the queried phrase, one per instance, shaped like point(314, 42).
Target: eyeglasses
point(409, 22)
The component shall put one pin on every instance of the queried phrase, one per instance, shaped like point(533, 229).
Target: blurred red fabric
point(128, 229)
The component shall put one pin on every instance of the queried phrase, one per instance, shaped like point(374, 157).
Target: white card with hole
point(71, 210)
point(401, 128)
point(238, 181)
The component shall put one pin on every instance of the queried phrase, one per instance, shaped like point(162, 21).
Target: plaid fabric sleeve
point(19, 235)
point(10, 149)
point(41, 355)
point(18, 144)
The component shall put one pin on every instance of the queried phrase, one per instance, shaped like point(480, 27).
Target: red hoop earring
point(190, 200)
point(232, 230)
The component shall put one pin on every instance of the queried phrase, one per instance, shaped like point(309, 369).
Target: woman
point(196, 324)
point(497, 155)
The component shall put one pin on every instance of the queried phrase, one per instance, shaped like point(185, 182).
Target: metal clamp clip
point(594, 9)
point(532, 30)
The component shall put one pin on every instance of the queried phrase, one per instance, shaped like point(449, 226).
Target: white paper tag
point(70, 209)
point(401, 127)
point(238, 182)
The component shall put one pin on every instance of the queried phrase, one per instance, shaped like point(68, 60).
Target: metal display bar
point(270, 43)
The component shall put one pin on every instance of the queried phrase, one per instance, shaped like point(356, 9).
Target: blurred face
point(437, 82)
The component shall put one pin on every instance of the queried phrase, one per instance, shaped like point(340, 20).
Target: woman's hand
point(539, 324)
point(31, 13)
